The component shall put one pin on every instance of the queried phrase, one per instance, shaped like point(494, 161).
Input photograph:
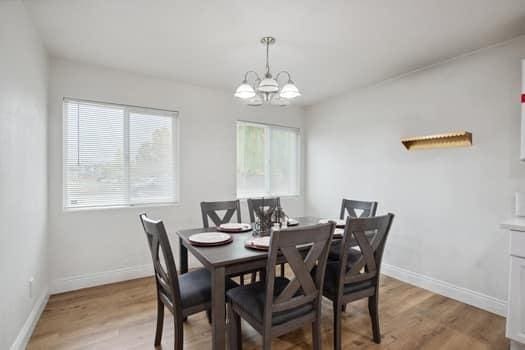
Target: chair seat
point(335, 253)
point(195, 287)
point(332, 276)
point(251, 299)
point(335, 250)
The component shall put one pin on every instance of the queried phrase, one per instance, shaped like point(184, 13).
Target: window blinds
point(118, 155)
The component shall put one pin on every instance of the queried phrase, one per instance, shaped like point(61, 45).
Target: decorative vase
point(263, 220)
point(280, 219)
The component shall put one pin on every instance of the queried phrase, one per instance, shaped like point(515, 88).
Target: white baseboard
point(516, 346)
point(99, 278)
point(25, 333)
point(449, 290)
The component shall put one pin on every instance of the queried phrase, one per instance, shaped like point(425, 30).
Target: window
point(118, 155)
point(268, 160)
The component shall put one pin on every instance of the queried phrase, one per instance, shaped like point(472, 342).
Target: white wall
point(93, 246)
point(448, 202)
point(23, 187)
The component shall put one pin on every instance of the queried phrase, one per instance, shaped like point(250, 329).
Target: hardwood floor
point(122, 316)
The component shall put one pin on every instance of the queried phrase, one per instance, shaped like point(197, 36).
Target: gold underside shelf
point(453, 139)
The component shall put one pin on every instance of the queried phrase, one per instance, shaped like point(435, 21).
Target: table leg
point(183, 252)
point(218, 305)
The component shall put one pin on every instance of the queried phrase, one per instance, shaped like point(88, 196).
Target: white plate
point(338, 222)
point(233, 226)
point(258, 242)
point(292, 222)
point(210, 238)
point(339, 232)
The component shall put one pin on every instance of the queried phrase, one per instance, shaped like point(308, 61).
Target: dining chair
point(356, 275)
point(348, 208)
point(182, 295)
point(253, 203)
point(278, 305)
point(210, 210)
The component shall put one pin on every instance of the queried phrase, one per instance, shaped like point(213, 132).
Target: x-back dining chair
point(278, 305)
point(253, 204)
point(356, 275)
point(350, 207)
point(209, 210)
point(182, 295)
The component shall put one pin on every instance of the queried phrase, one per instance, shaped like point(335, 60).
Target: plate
point(338, 222)
point(339, 232)
point(293, 222)
point(210, 238)
point(234, 227)
point(259, 243)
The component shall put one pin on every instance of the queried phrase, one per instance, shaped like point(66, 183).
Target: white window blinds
point(118, 155)
point(268, 160)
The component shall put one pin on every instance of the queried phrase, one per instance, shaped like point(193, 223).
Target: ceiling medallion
point(267, 90)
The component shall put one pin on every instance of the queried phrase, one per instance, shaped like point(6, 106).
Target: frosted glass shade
point(244, 91)
point(289, 91)
point(279, 101)
point(268, 85)
point(255, 101)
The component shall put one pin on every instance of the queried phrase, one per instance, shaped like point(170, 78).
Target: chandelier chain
point(267, 58)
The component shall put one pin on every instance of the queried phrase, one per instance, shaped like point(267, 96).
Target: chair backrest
point(210, 209)
point(303, 288)
point(165, 270)
point(349, 206)
point(370, 234)
point(254, 203)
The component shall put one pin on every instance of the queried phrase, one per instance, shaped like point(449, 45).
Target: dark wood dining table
point(222, 261)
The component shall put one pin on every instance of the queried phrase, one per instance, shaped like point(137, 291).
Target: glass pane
point(283, 161)
point(94, 157)
point(250, 160)
point(151, 158)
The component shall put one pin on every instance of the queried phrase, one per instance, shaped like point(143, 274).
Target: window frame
point(127, 110)
point(267, 161)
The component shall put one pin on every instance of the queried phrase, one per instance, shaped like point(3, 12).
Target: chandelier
point(267, 90)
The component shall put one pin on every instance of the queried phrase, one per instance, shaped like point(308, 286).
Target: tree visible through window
point(117, 155)
point(267, 160)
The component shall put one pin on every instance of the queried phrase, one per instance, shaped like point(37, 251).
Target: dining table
point(231, 259)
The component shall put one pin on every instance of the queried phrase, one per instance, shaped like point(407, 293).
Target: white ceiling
point(328, 46)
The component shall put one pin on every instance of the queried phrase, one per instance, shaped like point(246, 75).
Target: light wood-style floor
point(122, 316)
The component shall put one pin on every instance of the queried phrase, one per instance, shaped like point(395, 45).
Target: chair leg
point(178, 338)
point(160, 322)
point(267, 341)
point(282, 270)
point(208, 315)
point(262, 275)
point(316, 333)
point(343, 307)
point(337, 326)
point(234, 326)
point(373, 309)
point(241, 279)
point(253, 277)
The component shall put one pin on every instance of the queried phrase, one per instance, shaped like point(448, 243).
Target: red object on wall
point(522, 98)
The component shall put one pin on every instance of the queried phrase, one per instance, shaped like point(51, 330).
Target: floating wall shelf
point(453, 139)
